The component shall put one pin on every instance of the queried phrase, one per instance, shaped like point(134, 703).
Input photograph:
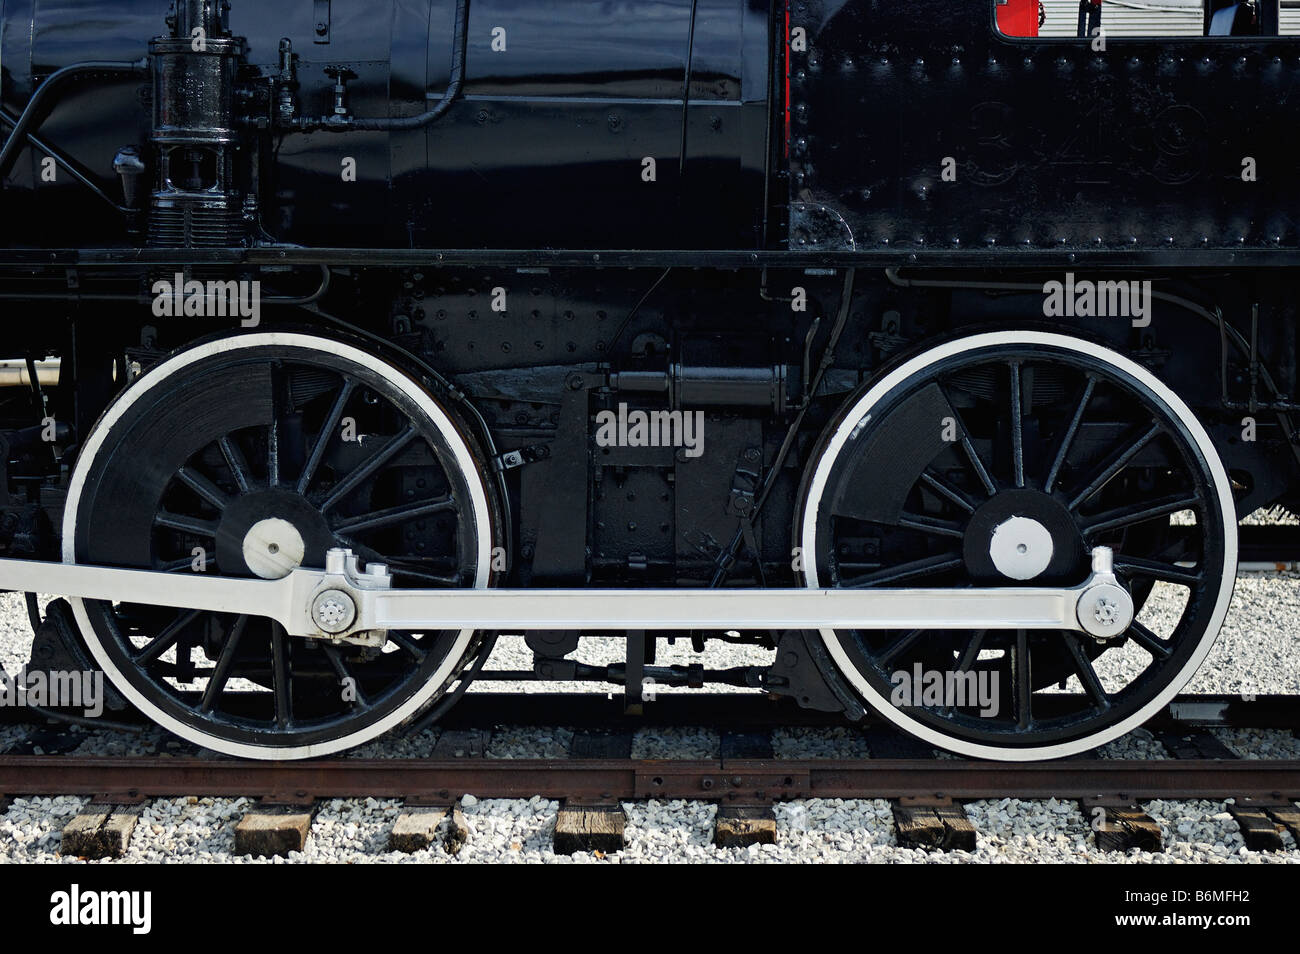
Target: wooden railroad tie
point(932, 823)
point(589, 826)
point(739, 825)
point(48, 740)
point(1120, 825)
point(1186, 742)
point(593, 824)
point(274, 827)
point(1262, 823)
point(886, 742)
point(102, 830)
point(416, 828)
point(461, 744)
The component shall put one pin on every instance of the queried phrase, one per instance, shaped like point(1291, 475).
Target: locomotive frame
point(910, 277)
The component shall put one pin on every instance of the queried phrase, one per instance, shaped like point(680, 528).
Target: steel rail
point(743, 780)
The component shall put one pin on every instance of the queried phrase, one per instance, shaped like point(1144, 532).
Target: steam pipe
point(19, 134)
point(460, 42)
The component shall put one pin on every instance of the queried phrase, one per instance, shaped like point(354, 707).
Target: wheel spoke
point(1155, 569)
point(273, 453)
point(930, 566)
point(1087, 675)
point(976, 464)
point(1021, 677)
point(1148, 640)
point(186, 563)
point(195, 525)
point(235, 461)
point(407, 646)
point(1070, 433)
point(944, 528)
point(383, 518)
point(347, 681)
point(1113, 466)
point(166, 639)
point(280, 677)
point(972, 651)
point(221, 672)
point(1137, 513)
point(899, 646)
point(371, 464)
point(328, 428)
point(1017, 426)
point(203, 487)
point(968, 658)
point(945, 489)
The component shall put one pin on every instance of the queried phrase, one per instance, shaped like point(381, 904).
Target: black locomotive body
point(648, 295)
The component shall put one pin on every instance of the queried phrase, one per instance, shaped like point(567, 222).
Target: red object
point(1018, 17)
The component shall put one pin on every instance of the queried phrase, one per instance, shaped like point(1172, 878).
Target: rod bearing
point(333, 611)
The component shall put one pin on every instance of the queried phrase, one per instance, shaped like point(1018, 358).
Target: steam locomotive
point(344, 336)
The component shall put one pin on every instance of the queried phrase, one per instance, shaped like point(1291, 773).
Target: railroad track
point(745, 778)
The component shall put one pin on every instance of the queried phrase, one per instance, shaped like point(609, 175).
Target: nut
point(333, 611)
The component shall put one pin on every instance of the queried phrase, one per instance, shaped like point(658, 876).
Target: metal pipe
point(66, 165)
point(19, 134)
point(14, 373)
point(460, 42)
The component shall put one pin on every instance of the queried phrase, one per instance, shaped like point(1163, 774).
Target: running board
point(344, 603)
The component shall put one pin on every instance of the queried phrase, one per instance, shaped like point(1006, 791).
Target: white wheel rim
point(859, 415)
point(479, 513)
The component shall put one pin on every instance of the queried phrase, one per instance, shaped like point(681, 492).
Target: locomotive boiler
point(933, 354)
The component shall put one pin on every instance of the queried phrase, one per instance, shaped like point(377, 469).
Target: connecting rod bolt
point(333, 611)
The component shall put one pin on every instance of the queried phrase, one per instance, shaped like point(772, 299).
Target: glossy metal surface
point(1057, 146)
point(545, 148)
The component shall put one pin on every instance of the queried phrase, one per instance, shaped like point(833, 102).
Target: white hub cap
point(1021, 548)
point(273, 548)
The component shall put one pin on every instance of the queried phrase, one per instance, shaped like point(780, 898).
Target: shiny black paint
point(532, 183)
point(1136, 148)
point(545, 135)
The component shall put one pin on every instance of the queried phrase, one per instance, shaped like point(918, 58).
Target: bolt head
point(333, 611)
point(1106, 612)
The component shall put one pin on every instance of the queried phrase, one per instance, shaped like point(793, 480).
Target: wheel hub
point(1021, 548)
point(273, 548)
point(268, 533)
point(1024, 535)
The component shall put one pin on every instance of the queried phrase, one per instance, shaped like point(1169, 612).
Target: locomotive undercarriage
point(252, 475)
point(295, 493)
